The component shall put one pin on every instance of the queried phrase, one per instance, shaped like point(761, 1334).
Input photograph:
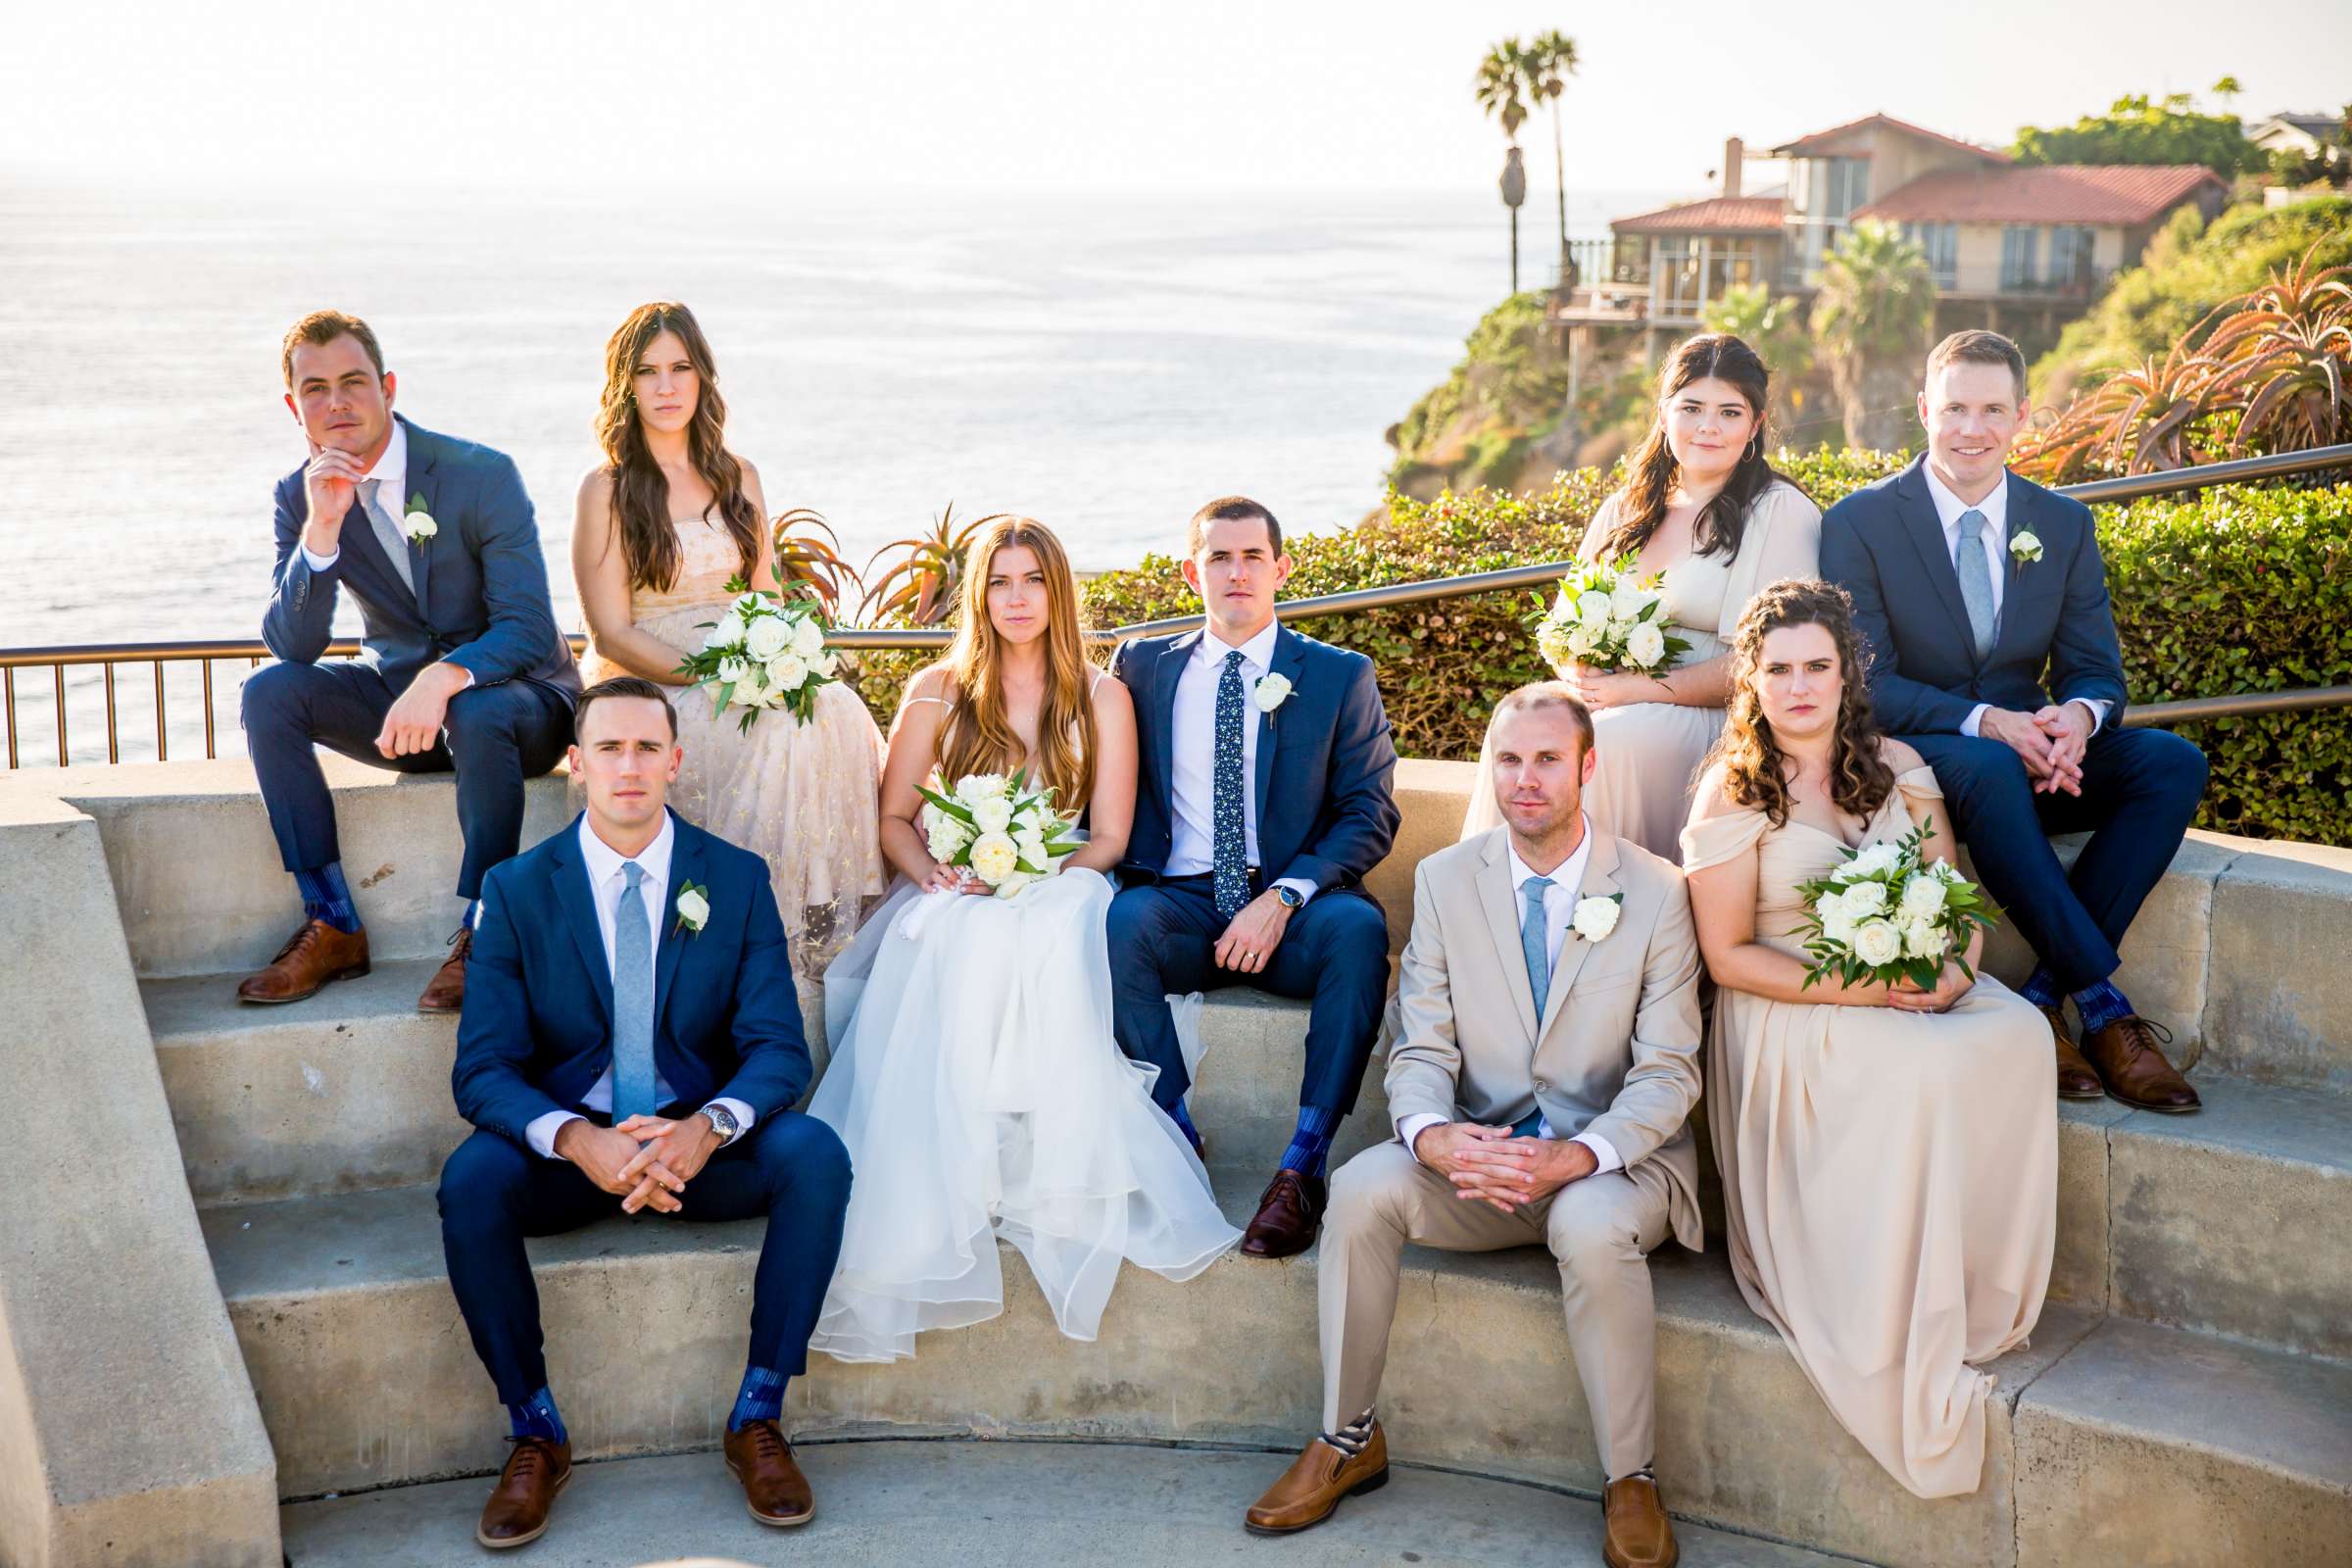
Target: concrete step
point(1002, 1505)
point(366, 1377)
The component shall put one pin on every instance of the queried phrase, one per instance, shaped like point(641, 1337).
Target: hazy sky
point(882, 93)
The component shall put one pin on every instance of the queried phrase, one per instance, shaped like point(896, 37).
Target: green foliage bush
point(2137, 130)
point(2241, 590)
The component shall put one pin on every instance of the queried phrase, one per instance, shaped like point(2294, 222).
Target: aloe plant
point(921, 588)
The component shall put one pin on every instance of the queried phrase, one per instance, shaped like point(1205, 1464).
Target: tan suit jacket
point(1614, 1050)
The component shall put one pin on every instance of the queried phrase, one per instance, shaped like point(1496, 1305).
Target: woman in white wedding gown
point(974, 1077)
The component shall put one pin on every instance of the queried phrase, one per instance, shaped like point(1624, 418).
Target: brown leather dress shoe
point(2128, 1055)
point(1635, 1530)
point(1289, 1212)
point(1310, 1489)
point(2076, 1079)
point(774, 1488)
point(525, 1495)
point(311, 957)
point(445, 992)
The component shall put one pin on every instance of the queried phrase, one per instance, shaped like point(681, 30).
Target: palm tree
point(1870, 320)
point(1548, 62)
point(2227, 90)
point(1501, 78)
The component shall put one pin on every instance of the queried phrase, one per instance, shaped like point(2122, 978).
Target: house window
point(1845, 186)
point(2070, 255)
point(1940, 242)
point(2021, 258)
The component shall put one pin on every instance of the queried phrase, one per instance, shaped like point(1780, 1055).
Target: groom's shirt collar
point(1258, 653)
point(393, 469)
point(1559, 900)
point(602, 864)
point(1949, 507)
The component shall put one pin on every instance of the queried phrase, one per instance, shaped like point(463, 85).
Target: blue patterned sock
point(1310, 1144)
point(1183, 1119)
point(761, 1399)
point(474, 913)
point(2041, 988)
point(538, 1418)
point(2100, 1004)
point(325, 896)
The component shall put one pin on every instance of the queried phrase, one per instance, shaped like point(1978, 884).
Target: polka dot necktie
point(1229, 843)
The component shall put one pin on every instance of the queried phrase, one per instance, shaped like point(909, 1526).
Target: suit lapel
point(1601, 880)
point(685, 865)
point(1168, 671)
point(423, 450)
point(1289, 661)
point(1918, 508)
point(1496, 897)
point(577, 900)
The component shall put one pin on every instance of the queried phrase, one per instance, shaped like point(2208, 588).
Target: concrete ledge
point(2281, 932)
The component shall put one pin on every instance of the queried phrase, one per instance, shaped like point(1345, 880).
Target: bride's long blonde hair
point(978, 737)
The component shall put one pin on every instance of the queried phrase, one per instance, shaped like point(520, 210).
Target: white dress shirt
point(1191, 836)
point(606, 882)
point(1995, 538)
point(392, 467)
point(1559, 911)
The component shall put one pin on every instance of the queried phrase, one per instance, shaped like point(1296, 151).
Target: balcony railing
point(108, 658)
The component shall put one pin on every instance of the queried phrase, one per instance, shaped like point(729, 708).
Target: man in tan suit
point(1516, 1124)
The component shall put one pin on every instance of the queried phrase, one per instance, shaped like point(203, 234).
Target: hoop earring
point(1755, 447)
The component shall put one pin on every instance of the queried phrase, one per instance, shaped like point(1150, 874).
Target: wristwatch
point(1291, 897)
point(723, 1122)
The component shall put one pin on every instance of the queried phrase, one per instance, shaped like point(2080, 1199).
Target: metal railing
point(59, 659)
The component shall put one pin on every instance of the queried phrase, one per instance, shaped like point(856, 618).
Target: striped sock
point(2041, 988)
point(761, 1399)
point(1183, 1119)
point(1310, 1144)
point(1350, 1439)
point(2100, 1004)
point(538, 1418)
point(325, 896)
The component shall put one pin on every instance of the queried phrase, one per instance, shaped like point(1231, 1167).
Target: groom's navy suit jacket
point(2055, 641)
point(537, 1029)
point(481, 599)
point(1326, 812)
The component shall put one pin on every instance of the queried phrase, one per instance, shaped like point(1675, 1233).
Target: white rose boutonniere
point(416, 523)
point(694, 908)
point(2024, 546)
point(1595, 917)
point(1271, 692)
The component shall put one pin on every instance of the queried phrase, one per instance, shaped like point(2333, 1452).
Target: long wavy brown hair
point(1654, 472)
point(639, 494)
point(1754, 770)
point(979, 737)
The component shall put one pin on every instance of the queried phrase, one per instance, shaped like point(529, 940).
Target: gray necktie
point(633, 1092)
point(1976, 579)
point(387, 533)
point(1533, 932)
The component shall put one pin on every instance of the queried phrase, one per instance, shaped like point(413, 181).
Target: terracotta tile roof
point(2056, 193)
point(1819, 142)
point(1719, 215)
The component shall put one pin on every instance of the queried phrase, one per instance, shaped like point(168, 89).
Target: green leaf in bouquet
point(954, 807)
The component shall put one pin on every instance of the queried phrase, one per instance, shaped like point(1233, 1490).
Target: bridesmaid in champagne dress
point(1702, 505)
point(661, 525)
point(1889, 1156)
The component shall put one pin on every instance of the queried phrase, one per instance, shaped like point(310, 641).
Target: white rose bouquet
point(1609, 617)
point(1888, 914)
point(768, 651)
point(1001, 831)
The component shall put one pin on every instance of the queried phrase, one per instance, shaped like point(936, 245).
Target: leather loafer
point(1635, 1530)
point(1310, 1489)
point(2128, 1055)
point(774, 1488)
point(2075, 1078)
point(1289, 1212)
point(312, 957)
point(445, 992)
point(517, 1511)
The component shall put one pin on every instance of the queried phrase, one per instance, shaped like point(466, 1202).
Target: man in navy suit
point(1993, 652)
point(633, 1042)
point(461, 664)
point(1264, 799)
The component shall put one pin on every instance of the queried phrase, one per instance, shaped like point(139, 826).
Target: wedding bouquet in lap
point(1888, 914)
point(1001, 831)
point(768, 651)
point(1609, 617)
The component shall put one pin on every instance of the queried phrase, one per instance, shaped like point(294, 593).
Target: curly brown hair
point(1754, 772)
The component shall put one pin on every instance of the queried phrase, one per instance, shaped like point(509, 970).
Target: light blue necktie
point(387, 533)
point(1228, 846)
point(1976, 580)
point(1533, 931)
point(633, 1092)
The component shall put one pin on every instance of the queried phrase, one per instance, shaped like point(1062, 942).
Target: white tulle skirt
point(976, 1082)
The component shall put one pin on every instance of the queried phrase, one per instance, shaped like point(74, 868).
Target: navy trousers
point(2141, 789)
point(1333, 953)
point(494, 736)
point(789, 1167)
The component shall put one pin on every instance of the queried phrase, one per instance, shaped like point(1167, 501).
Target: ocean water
point(1101, 362)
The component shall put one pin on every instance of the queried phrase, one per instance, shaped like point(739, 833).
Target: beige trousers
point(1601, 1229)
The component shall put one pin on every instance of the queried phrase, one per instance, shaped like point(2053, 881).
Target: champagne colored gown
point(1650, 753)
point(1889, 1179)
point(805, 797)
